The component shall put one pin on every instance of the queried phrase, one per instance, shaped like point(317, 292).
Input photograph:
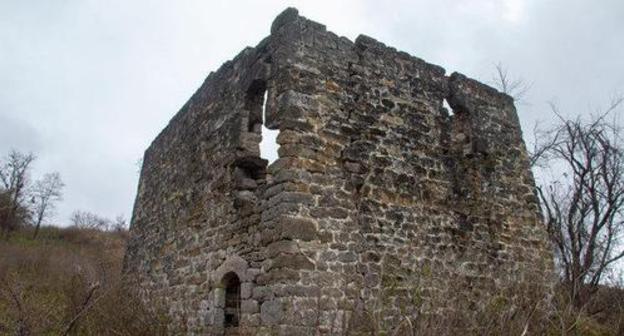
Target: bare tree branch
point(45, 193)
point(514, 87)
point(87, 303)
point(584, 210)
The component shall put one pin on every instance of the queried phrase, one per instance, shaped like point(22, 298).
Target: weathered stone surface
point(262, 293)
point(378, 191)
point(249, 306)
point(298, 261)
point(246, 290)
point(282, 246)
point(298, 228)
point(271, 312)
point(219, 298)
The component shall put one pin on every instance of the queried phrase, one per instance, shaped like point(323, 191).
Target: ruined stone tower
point(380, 197)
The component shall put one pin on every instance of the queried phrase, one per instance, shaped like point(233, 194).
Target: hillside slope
point(68, 282)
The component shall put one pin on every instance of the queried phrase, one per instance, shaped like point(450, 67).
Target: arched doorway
point(232, 300)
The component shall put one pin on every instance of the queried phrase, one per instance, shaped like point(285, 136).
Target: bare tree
point(515, 87)
point(584, 209)
point(14, 171)
point(45, 193)
point(88, 220)
point(120, 224)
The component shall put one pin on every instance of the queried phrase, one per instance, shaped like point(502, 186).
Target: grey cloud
point(17, 134)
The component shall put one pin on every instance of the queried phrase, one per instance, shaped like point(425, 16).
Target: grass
point(68, 282)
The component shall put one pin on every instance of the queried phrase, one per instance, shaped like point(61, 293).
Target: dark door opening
point(232, 300)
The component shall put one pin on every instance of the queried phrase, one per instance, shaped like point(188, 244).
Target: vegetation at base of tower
point(74, 274)
point(515, 310)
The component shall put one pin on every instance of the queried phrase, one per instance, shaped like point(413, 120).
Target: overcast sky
point(86, 85)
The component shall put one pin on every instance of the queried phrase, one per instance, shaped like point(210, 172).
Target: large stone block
point(271, 312)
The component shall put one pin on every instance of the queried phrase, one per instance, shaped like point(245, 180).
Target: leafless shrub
point(88, 220)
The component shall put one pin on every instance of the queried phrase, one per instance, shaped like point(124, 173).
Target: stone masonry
point(380, 196)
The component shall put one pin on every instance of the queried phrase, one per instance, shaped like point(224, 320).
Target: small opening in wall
point(232, 300)
point(448, 108)
point(268, 145)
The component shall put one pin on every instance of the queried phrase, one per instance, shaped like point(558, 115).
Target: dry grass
point(516, 310)
point(68, 282)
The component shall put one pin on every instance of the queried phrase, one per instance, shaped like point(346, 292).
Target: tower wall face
point(379, 198)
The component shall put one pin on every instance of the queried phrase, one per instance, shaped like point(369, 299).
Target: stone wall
point(379, 197)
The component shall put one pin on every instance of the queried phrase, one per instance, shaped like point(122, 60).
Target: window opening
point(232, 300)
point(268, 145)
point(448, 108)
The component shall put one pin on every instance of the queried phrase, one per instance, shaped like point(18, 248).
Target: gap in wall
point(268, 144)
point(448, 108)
